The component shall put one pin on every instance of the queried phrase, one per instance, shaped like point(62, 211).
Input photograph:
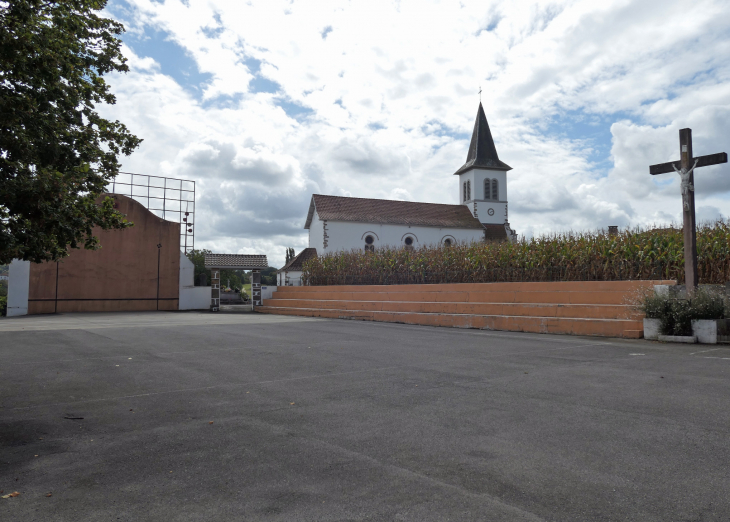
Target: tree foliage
point(289, 255)
point(56, 152)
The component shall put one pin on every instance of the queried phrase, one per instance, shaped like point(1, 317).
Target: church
point(338, 223)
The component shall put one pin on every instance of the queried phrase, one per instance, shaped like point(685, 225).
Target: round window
point(369, 240)
point(409, 241)
point(447, 242)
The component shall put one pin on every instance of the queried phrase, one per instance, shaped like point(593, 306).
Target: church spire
point(482, 152)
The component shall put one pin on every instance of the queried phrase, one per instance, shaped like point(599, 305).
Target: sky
point(264, 103)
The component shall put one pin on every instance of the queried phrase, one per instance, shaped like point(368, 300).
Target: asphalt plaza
point(196, 416)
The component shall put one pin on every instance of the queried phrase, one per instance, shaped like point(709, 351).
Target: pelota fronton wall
point(129, 272)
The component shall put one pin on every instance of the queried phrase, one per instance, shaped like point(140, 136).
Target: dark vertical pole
point(688, 214)
point(159, 247)
point(55, 304)
point(193, 238)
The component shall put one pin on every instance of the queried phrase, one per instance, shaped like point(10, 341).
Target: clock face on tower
point(490, 211)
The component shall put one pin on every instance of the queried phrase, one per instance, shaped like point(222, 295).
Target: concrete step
point(510, 309)
point(593, 292)
point(555, 325)
point(559, 286)
point(597, 297)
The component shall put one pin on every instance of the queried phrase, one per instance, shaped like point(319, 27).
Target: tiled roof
point(482, 152)
point(235, 261)
point(296, 263)
point(388, 212)
point(495, 232)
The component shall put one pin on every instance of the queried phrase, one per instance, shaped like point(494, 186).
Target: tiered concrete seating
point(580, 308)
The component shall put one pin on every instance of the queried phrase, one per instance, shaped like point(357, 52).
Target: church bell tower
point(483, 181)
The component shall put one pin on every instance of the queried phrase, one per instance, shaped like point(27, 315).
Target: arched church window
point(487, 188)
point(468, 190)
point(465, 191)
point(369, 246)
point(447, 242)
point(495, 190)
point(409, 240)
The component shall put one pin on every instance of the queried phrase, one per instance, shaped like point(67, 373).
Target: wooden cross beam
point(685, 167)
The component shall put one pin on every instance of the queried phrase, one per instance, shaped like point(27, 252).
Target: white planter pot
point(705, 330)
point(651, 329)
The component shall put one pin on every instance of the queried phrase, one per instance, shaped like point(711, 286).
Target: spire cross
point(684, 168)
point(480, 94)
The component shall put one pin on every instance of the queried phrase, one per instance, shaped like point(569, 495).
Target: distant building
point(291, 274)
point(343, 223)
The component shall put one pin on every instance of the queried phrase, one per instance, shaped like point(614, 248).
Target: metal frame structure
point(163, 197)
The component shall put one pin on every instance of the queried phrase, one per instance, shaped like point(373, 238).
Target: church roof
point(297, 263)
point(389, 212)
point(482, 152)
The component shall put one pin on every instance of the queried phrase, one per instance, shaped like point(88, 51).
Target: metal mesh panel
point(172, 199)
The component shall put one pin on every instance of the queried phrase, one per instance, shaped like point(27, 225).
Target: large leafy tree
point(56, 152)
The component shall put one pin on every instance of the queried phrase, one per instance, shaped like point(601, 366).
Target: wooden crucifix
point(685, 167)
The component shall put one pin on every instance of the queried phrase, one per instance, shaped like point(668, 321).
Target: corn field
point(598, 256)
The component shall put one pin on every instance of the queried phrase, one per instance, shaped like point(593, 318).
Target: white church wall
point(344, 235)
point(316, 233)
point(464, 178)
point(478, 204)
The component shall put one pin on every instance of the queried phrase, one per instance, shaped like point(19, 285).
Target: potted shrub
point(653, 305)
point(708, 308)
point(683, 320)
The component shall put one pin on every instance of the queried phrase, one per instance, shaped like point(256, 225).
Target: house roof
point(235, 261)
point(297, 263)
point(389, 212)
point(482, 152)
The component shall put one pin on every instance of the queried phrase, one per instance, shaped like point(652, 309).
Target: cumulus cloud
point(265, 102)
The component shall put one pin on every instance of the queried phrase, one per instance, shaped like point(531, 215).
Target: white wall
point(478, 205)
point(191, 297)
point(187, 271)
point(316, 233)
point(18, 287)
point(290, 278)
point(293, 278)
point(267, 291)
point(194, 298)
point(348, 235)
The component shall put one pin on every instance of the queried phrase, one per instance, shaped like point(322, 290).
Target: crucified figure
point(686, 186)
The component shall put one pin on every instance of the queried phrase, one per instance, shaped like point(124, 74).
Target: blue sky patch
point(293, 109)
point(259, 83)
point(594, 129)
